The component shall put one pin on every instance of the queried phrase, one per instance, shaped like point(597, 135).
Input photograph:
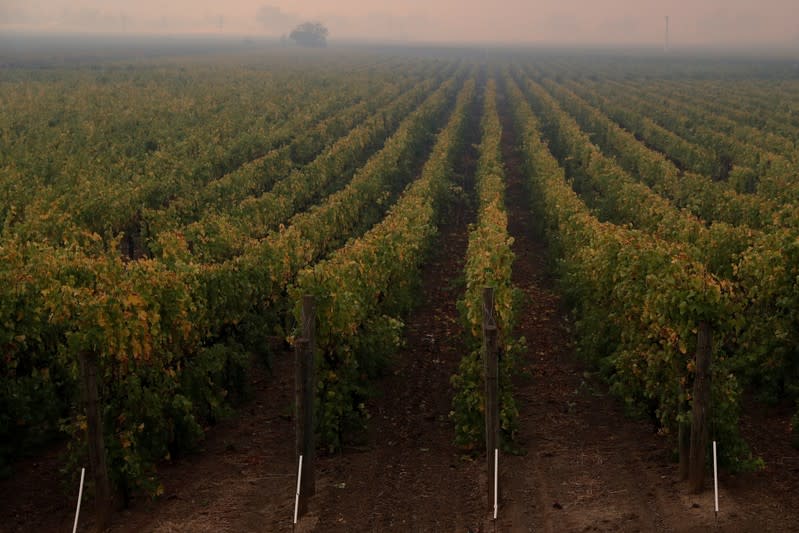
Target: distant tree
point(311, 34)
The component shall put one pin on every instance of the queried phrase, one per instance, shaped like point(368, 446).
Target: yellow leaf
point(132, 300)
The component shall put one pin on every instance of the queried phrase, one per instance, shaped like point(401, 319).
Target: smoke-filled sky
point(692, 22)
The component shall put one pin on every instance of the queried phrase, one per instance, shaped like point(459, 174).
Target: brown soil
point(410, 477)
point(240, 481)
point(582, 465)
point(585, 466)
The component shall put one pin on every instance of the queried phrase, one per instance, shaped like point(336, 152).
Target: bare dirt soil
point(410, 477)
point(582, 465)
point(585, 466)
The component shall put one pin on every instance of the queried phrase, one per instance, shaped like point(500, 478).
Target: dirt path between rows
point(410, 477)
point(585, 467)
point(581, 468)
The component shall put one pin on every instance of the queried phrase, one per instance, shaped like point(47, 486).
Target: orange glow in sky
point(521, 21)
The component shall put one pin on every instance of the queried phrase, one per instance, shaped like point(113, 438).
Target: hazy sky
point(528, 21)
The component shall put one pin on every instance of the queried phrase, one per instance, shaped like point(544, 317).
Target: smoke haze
point(692, 22)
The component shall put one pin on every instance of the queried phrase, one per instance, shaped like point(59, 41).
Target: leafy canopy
point(312, 34)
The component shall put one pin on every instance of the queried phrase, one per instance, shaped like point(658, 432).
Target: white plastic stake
point(297, 496)
point(715, 478)
point(80, 497)
point(496, 480)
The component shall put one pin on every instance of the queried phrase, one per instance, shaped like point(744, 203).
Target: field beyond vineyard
point(162, 218)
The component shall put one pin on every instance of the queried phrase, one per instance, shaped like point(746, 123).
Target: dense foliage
point(489, 262)
point(364, 288)
point(638, 299)
point(165, 217)
point(173, 314)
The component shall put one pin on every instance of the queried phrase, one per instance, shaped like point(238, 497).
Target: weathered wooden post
point(304, 396)
point(491, 369)
point(95, 440)
point(309, 319)
point(700, 409)
point(684, 443)
point(309, 332)
point(301, 351)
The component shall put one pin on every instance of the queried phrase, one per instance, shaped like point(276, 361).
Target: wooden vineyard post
point(700, 409)
point(95, 439)
point(684, 443)
point(491, 369)
point(305, 390)
point(309, 320)
point(309, 332)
